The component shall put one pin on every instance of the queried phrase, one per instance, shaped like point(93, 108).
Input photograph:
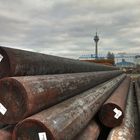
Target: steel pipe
point(23, 96)
point(6, 133)
point(136, 115)
point(65, 120)
point(137, 88)
point(138, 80)
point(112, 112)
point(2, 125)
point(91, 132)
point(17, 62)
point(126, 131)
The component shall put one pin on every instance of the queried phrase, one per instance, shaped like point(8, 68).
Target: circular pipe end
point(13, 103)
point(111, 115)
point(31, 129)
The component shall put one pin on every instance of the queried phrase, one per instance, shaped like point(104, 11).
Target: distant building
point(125, 64)
point(92, 56)
point(137, 59)
point(102, 59)
point(128, 57)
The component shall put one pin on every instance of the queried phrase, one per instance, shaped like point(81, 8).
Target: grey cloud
point(67, 27)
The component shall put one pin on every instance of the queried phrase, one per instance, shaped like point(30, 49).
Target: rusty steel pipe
point(91, 132)
point(138, 80)
point(35, 93)
point(65, 120)
point(112, 112)
point(2, 125)
point(126, 131)
point(17, 62)
point(137, 88)
point(6, 133)
point(136, 115)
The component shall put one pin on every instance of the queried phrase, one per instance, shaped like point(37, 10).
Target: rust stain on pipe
point(91, 132)
point(65, 120)
point(6, 133)
point(112, 112)
point(24, 96)
point(126, 131)
point(17, 62)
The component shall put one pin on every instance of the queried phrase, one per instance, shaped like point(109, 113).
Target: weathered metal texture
point(17, 62)
point(136, 115)
point(138, 80)
point(91, 132)
point(6, 133)
point(65, 120)
point(24, 96)
point(137, 87)
point(112, 112)
point(1, 125)
point(126, 131)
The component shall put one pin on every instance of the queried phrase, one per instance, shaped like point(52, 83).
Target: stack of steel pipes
point(44, 97)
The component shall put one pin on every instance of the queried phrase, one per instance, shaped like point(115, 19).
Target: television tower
point(96, 39)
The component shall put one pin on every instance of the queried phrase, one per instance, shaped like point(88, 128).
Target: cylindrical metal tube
point(2, 125)
point(126, 130)
point(136, 115)
point(91, 132)
point(138, 80)
point(35, 93)
point(65, 120)
point(6, 133)
point(17, 62)
point(112, 112)
point(137, 87)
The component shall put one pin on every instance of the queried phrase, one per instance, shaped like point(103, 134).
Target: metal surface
point(127, 130)
point(1, 125)
point(65, 120)
point(137, 87)
point(91, 132)
point(20, 63)
point(112, 112)
point(136, 115)
point(24, 96)
point(6, 133)
point(138, 80)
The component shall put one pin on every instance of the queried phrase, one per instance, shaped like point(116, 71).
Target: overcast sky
point(67, 27)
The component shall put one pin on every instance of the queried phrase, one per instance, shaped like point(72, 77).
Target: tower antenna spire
point(96, 31)
point(96, 39)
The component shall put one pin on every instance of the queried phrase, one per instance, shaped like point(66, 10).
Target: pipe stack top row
point(44, 97)
point(17, 62)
